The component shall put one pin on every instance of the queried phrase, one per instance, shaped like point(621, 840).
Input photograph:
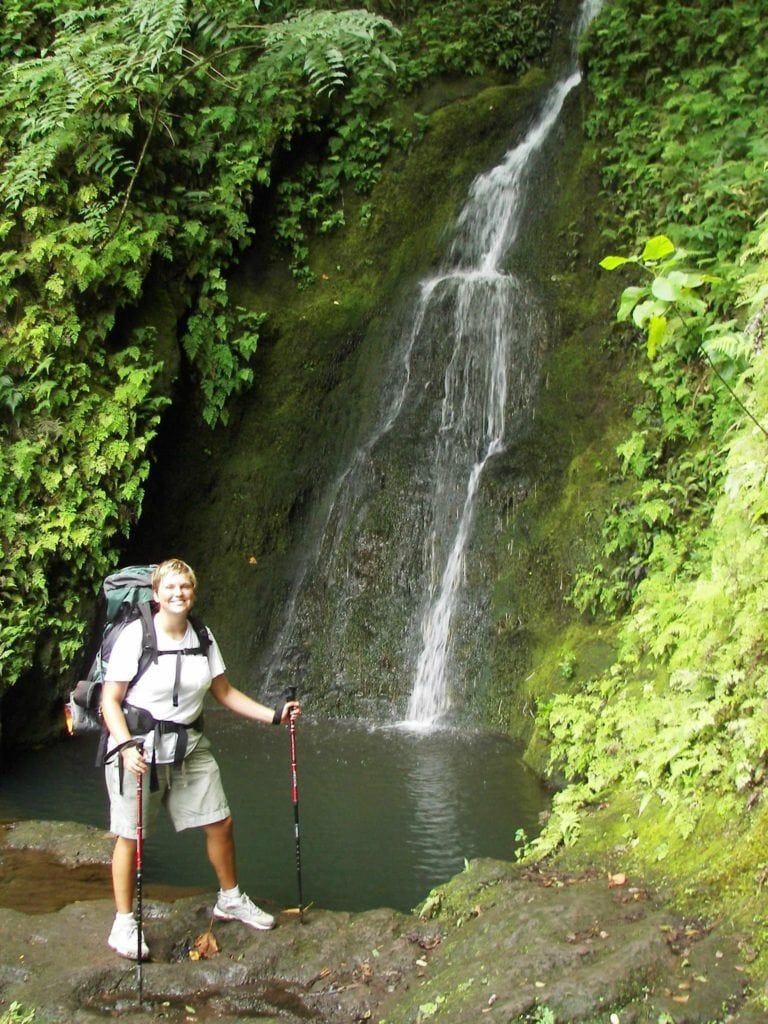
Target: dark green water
point(384, 815)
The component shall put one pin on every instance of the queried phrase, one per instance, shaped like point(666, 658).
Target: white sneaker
point(243, 909)
point(124, 938)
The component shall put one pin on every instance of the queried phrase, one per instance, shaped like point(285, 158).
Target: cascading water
point(487, 230)
point(383, 586)
point(494, 317)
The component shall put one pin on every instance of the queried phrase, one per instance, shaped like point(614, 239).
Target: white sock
point(124, 917)
point(231, 894)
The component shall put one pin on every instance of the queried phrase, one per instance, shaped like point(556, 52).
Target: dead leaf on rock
point(618, 879)
point(680, 999)
point(205, 946)
point(749, 953)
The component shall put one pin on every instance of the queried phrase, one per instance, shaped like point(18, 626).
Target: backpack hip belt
point(140, 722)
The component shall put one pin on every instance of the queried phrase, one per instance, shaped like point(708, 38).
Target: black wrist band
point(278, 715)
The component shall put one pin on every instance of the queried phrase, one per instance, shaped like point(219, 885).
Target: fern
point(684, 709)
point(329, 45)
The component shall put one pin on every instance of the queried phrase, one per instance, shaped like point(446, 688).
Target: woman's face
point(175, 594)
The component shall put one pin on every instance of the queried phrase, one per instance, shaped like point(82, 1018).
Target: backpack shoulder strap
point(204, 638)
point(149, 649)
point(148, 640)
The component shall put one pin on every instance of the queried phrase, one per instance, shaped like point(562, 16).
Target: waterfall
point(382, 586)
point(487, 230)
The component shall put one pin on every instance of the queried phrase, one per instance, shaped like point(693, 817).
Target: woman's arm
point(235, 700)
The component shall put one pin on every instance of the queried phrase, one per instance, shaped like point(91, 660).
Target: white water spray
point(486, 234)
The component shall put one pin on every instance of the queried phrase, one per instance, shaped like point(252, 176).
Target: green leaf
point(664, 289)
point(629, 299)
point(612, 262)
point(657, 248)
point(691, 279)
point(643, 312)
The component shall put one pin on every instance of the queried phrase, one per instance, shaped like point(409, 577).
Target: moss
point(547, 495)
point(714, 873)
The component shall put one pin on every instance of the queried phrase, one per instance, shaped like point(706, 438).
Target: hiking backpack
point(126, 596)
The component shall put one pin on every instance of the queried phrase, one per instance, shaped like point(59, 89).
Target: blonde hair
point(173, 565)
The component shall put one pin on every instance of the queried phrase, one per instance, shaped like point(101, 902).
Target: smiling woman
point(161, 727)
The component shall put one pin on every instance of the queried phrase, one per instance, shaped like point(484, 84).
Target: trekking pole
point(295, 797)
point(139, 862)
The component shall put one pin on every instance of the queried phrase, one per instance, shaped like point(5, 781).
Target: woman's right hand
point(133, 760)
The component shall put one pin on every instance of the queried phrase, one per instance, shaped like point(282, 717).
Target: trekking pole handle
point(289, 694)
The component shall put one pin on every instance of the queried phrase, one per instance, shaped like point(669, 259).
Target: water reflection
point(385, 814)
point(434, 786)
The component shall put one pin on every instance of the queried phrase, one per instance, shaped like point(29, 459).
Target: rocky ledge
point(497, 943)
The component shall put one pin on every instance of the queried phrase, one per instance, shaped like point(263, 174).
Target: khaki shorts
point(192, 794)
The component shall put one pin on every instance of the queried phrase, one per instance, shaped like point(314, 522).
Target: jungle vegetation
point(143, 138)
point(138, 136)
point(664, 755)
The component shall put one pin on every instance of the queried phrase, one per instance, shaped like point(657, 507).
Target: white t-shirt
point(153, 691)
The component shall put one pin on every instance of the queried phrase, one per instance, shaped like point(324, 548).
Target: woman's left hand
point(292, 709)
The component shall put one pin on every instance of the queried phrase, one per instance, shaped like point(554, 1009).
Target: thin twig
point(723, 381)
point(156, 116)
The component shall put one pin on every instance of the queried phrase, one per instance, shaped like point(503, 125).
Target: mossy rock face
point(246, 497)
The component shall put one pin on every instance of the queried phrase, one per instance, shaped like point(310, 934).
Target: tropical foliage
point(142, 142)
point(128, 137)
point(680, 115)
point(684, 709)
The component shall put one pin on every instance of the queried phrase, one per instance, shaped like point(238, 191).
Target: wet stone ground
point(498, 944)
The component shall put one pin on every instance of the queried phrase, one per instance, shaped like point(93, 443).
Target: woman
point(155, 720)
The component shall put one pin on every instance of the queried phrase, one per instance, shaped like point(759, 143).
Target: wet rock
point(497, 942)
point(516, 942)
point(69, 842)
